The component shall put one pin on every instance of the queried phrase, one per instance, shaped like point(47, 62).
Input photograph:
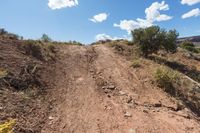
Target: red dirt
point(96, 90)
point(89, 89)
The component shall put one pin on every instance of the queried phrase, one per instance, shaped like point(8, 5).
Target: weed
point(167, 78)
point(3, 73)
point(7, 127)
point(136, 63)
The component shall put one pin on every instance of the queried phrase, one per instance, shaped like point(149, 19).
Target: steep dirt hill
point(98, 91)
point(91, 89)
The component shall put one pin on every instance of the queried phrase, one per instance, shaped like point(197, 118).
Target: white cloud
point(153, 12)
point(192, 13)
point(99, 18)
point(190, 2)
point(152, 15)
point(104, 37)
point(58, 4)
point(130, 25)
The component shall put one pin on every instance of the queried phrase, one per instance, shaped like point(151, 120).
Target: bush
point(189, 46)
point(151, 39)
point(46, 38)
point(33, 48)
point(3, 31)
point(75, 43)
point(167, 78)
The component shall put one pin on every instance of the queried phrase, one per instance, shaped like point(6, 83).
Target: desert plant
point(46, 38)
point(7, 127)
point(3, 73)
point(170, 41)
point(136, 63)
point(189, 46)
point(33, 48)
point(3, 31)
point(151, 39)
point(167, 78)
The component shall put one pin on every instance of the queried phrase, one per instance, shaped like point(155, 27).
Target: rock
point(129, 100)
point(51, 117)
point(122, 93)
point(111, 87)
point(145, 111)
point(132, 130)
point(157, 105)
point(127, 114)
point(107, 90)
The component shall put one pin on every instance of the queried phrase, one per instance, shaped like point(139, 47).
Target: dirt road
point(96, 91)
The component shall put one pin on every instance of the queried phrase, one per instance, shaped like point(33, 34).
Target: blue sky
point(65, 20)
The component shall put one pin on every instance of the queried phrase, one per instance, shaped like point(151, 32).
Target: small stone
point(51, 117)
point(129, 100)
point(122, 93)
point(157, 105)
point(107, 91)
point(145, 111)
point(132, 131)
point(127, 114)
point(111, 87)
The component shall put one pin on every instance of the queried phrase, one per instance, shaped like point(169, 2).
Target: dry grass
point(3, 73)
point(136, 63)
point(167, 78)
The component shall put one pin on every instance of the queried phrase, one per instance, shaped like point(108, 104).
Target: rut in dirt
point(96, 91)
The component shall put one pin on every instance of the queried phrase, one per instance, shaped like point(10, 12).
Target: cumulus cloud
point(104, 37)
point(190, 2)
point(99, 18)
point(153, 12)
point(58, 4)
point(192, 13)
point(130, 25)
point(152, 15)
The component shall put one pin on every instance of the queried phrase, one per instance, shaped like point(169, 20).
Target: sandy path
point(96, 91)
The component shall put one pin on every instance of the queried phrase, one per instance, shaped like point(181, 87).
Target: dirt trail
point(96, 91)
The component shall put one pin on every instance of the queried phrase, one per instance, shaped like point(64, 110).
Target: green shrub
point(46, 38)
point(3, 31)
point(151, 39)
point(167, 78)
point(189, 46)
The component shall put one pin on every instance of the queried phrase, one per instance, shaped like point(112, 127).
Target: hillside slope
point(90, 89)
point(98, 91)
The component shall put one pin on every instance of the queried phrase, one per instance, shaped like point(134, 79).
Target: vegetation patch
point(150, 40)
point(40, 50)
point(167, 79)
point(7, 127)
point(136, 63)
point(3, 73)
point(189, 46)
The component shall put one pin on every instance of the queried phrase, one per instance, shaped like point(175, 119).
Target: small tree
point(3, 31)
point(151, 39)
point(170, 41)
point(46, 38)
